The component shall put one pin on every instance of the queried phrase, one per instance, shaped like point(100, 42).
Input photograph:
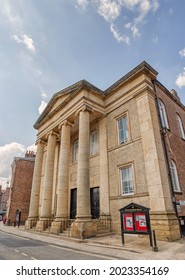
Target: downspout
point(163, 136)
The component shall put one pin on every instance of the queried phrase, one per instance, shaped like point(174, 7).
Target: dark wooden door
point(73, 203)
point(95, 203)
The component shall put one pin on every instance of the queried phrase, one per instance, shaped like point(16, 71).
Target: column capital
point(52, 133)
point(40, 141)
point(66, 122)
point(84, 108)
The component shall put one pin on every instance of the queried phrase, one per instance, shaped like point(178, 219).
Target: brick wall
point(175, 144)
point(22, 175)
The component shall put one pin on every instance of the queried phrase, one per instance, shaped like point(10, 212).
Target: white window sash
point(122, 130)
point(180, 127)
point(163, 115)
point(94, 143)
point(127, 186)
point(175, 179)
point(75, 151)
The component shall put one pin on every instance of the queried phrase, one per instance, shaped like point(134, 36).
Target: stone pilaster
point(161, 206)
point(45, 217)
point(104, 179)
point(83, 226)
point(35, 191)
point(63, 180)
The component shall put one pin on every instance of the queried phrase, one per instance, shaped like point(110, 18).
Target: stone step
point(64, 233)
point(104, 234)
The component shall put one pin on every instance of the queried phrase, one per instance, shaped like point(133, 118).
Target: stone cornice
point(142, 68)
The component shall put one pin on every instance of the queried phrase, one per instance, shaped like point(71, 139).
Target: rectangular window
point(174, 176)
point(127, 185)
point(122, 130)
point(180, 127)
point(94, 143)
point(75, 151)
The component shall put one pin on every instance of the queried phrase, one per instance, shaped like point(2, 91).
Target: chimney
point(29, 154)
point(174, 93)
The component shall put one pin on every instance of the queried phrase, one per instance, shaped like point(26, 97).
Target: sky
point(47, 45)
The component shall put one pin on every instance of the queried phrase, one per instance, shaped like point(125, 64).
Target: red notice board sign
point(128, 221)
point(135, 219)
point(140, 222)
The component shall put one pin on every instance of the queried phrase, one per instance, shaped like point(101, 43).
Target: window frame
point(163, 114)
point(94, 151)
point(174, 176)
point(131, 191)
point(180, 126)
point(75, 150)
point(126, 139)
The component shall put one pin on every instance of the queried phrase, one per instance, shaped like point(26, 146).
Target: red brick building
point(172, 116)
point(20, 189)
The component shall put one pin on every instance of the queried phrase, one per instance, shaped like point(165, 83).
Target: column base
point(31, 222)
point(82, 229)
point(166, 225)
point(59, 225)
point(43, 224)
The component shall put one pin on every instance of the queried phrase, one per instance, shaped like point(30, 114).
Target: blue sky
point(47, 45)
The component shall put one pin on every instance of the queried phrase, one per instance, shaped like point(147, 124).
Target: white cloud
point(108, 9)
point(9, 12)
point(133, 28)
point(26, 40)
point(180, 81)
point(43, 94)
point(81, 4)
point(7, 153)
point(117, 36)
point(111, 10)
point(182, 52)
point(42, 106)
point(37, 72)
point(155, 39)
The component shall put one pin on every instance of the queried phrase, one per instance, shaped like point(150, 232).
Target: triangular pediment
point(62, 97)
point(134, 207)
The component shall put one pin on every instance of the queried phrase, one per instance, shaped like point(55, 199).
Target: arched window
point(174, 175)
point(181, 129)
point(162, 112)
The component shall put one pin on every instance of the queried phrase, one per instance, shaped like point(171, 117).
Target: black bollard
point(155, 248)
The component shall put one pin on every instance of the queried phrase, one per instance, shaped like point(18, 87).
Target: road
point(18, 248)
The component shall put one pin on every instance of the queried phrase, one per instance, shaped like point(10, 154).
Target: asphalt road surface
point(19, 248)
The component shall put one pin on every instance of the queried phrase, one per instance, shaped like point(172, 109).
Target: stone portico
point(79, 158)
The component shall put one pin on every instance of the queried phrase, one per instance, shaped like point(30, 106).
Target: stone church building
point(98, 151)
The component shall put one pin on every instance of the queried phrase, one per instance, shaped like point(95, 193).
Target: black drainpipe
point(163, 135)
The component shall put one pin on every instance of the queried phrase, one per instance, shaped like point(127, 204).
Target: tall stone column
point(35, 191)
point(47, 184)
point(63, 180)
point(104, 176)
point(83, 226)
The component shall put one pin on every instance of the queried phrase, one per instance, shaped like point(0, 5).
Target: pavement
point(111, 247)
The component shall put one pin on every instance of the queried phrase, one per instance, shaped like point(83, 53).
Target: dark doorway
point(73, 203)
point(95, 203)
